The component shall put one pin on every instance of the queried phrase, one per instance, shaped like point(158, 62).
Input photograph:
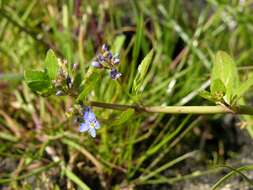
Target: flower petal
point(97, 125)
point(87, 109)
point(88, 114)
point(84, 127)
point(116, 61)
point(92, 132)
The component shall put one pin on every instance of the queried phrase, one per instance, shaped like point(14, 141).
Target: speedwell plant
point(61, 78)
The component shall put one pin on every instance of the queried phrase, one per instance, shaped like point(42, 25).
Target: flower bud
point(116, 61)
point(96, 64)
point(114, 74)
point(109, 55)
point(105, 47)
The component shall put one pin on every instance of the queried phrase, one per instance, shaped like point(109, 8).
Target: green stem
point(219, 109)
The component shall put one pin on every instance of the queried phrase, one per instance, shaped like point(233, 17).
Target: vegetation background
point(41, 148)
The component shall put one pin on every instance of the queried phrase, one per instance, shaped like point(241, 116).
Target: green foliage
point(87, 87)
point(132, 149)
point(225, 84)
point(207, 95)
point(224, 69)
point(78, 81)
point(142, 71)
point(123, 117)
point(38, 81)
point(51, 65)
point(218, 90)
point(41, 81)
point(224, 80)
point(73, 177)
point(244, 86)
point(231, 174)
point(118, 43)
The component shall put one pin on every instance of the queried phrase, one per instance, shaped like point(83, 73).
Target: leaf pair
point(225, 84)
point(218, 91)
point(41, 81)
point(224, 76)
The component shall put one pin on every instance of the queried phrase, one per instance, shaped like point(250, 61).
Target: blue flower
point(114, 74)
point(90, 123)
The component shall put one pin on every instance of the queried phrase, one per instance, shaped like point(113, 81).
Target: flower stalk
point(219, 109)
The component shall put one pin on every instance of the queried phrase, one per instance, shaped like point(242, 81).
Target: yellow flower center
point(92, 124)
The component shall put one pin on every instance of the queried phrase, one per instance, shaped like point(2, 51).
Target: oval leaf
point(206, 95)
point(37, 80)
point(244, 87)
point(51, 64)
point(224, 69)
point(218, 89)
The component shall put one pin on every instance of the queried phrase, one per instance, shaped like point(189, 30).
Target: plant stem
point(219, 109)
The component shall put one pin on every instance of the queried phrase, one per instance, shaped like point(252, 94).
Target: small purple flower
point(96, 64)
point(114, 74)
point(110, 55)
point(105, 59)
point(105, 47)
point(116, 61)
point(90, 123)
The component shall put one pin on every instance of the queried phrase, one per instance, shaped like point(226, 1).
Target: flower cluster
point(64, 81)
point(63, 84)
point(106, 60)
point(89, 123)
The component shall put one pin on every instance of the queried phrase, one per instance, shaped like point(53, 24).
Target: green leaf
point(244, 87)
point(142, 70)
point(206, 95)
point(138, 37)
point(118, 43)
point(218, 89)
point(232, 173)
point(218, 86)
point(224, 68)
point(124, 117)
point(73, 177)
point(51, 64)
point(37, 80)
